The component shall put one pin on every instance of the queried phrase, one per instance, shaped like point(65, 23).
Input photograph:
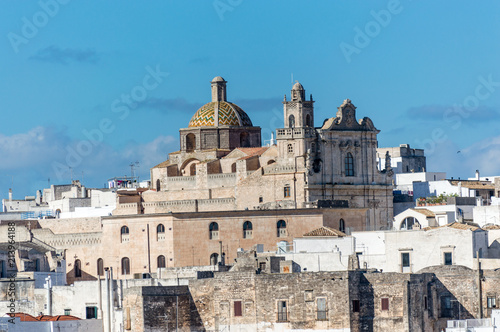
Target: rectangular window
point(405, 262)
point(237, 308)
point(91, 312)
point(286, 191)
point(67, 312)
point(446, 309)
point(261, 199)
point(262, 266)
point(426, 303)
point(492, 302)
point(321, 309)
point(355, 305)
point(282, 313)
point(448, 258)
point(385, 303)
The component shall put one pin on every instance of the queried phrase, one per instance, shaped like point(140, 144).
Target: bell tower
point(298, 135)
point(298, 112)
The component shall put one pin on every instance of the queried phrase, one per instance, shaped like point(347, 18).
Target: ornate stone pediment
point(345, 119)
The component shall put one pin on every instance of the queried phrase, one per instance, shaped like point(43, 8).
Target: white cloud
point(29, 159)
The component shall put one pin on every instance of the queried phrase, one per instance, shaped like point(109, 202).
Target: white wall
point(371, 246)
point(486, 215)
point(345, 245)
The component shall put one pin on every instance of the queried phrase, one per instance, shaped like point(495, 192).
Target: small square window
point(67, 312)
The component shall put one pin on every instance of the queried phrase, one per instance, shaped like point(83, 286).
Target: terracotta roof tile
point(163, 164)
point(326, 231)
point(425, 212)
point(491, 227)
point(251, 152)
point(24, 317)
point(474, 184)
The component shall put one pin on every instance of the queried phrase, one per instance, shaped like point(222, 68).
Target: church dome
point(218, 79)
point(228, 114)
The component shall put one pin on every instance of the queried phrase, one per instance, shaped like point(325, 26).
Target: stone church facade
point(222, 166)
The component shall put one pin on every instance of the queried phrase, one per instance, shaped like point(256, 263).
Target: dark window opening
point(355, 306)
point(237, 309)
point(78, 268)
point(160, 261)
point(282, 312)
point(385, 304)
point(100, 267)
point(91, 312)
point(349, 165)
point(286, 191)
point(125, 265)
point(446, 309)
point(448, 258)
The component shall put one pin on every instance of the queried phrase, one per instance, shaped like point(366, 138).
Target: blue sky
point(427, 74)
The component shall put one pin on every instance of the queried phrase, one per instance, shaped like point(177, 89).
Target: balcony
point(288, 133)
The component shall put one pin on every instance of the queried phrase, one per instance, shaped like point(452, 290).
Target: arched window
point(244, 140)
point(124, 232)
point(290, 148)
point(291, 121)
point(100, 267)
point(190, 142)
point(349, 165)
point(247, 230)
point(272, 161)
point(160, 261)
point(409, 223)
point(308, 120)
point(213, 231)
point(233, 168)
point(125, 265)
point(78, 268)
point(214, 258)
point(342, 225)
point(158, 187)
point(160, 228)
point(281, 228)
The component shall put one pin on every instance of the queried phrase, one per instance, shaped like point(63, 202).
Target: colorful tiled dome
point(229, 115)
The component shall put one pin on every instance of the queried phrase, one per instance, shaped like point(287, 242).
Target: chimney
point(38, 197)
point(477, 174)
point(10, 194)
